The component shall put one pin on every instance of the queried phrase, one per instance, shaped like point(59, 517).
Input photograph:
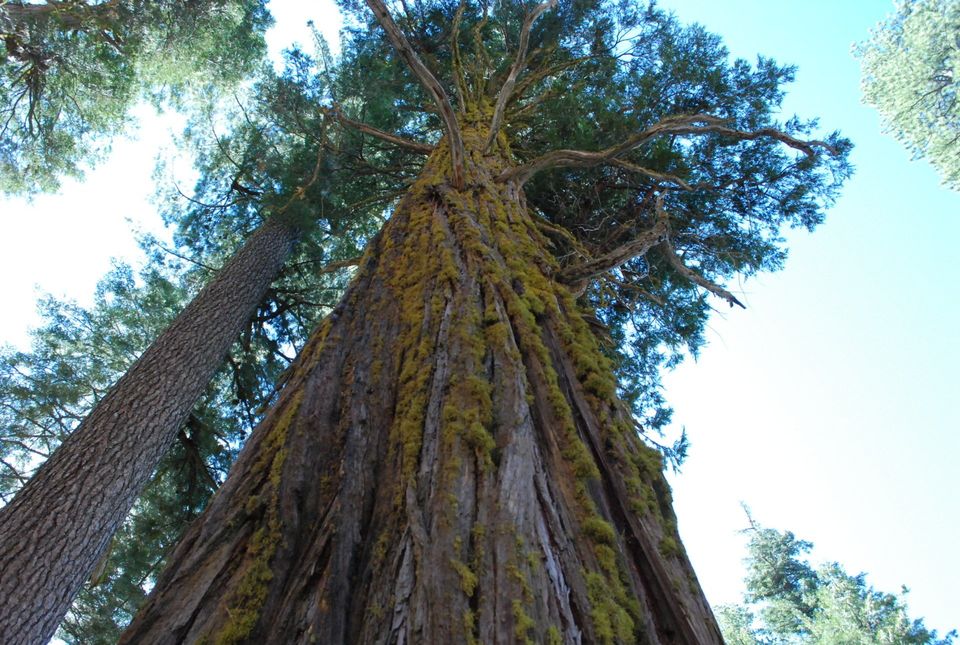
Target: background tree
point(71, 71)
point(910, 74)
point(789, 601)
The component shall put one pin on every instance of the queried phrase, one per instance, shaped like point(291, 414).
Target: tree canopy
point(645, 232)
point(71, 71)
point(910, 74)
point(788, 600)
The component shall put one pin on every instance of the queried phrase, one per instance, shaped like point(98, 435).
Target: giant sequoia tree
point(455, 456)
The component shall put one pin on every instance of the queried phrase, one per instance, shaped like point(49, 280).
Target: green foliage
point(789, 601)
point(598, 71)
point(71, 71)
point(911, 74)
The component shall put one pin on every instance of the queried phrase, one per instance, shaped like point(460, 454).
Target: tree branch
point(506, 91)
point(330, 267)
point(695, 277)
point(695, 124)
point(636, 247)
point(414, 146)
point(546, 71)
point(481, 60)
point(458, 73)
point(72, 15)
point(429, 83)
point(658, 234)
point(653, 174)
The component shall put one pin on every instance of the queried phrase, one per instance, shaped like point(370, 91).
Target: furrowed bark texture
point(447, 464)
point(53, 533)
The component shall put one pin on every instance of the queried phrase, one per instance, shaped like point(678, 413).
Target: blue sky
point(828, 406)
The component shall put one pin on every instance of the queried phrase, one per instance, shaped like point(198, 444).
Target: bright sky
point(828, 406)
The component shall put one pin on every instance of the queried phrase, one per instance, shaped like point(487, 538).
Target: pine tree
point(58, 526)
point(910, 74)
point(789, 601)
point(71, 71)
point(449, 459)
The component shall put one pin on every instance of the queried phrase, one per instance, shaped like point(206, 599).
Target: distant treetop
point(910, 74)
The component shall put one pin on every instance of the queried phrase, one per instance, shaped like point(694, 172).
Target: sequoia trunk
point(53, 533)
point(448, 463)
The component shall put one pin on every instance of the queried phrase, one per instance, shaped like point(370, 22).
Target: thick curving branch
point(429, 83)
point(695, 277)
point(695, 124)
point(413, 146)
point(506, 90)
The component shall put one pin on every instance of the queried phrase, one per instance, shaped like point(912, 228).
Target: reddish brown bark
point(448, 463)
point(53, 533)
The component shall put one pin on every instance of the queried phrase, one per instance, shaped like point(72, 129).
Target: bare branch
point(506, 91)
point(546, 71)
point(342, 264)
point(695, 277)
point(481, 59)
point(653, 174)
point(14, 472)
point(414, 146)
point(695, 124)
point(301, 190)
point(458, 73)
point(577, 274)
point(170, 251)
point(429, 83)
point(658, 234)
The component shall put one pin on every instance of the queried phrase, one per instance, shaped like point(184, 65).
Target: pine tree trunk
point(447, 464)
point(53, 533)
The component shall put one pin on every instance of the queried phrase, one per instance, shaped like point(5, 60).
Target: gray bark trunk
point(53, 533)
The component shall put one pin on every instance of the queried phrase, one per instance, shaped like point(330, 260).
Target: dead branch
point(695, 277)
point(696, 124)
point(414, 146)
point(634, 248)
point(429, 83)
point(301, 190)
point(506, 91)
